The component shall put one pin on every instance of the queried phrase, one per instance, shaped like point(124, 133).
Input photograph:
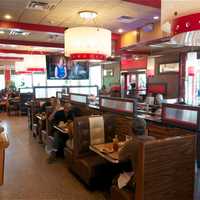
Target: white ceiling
point(65, 14)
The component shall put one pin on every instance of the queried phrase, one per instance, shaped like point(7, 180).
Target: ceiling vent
point(126, 19)
point(39, 5)
point(15, 32)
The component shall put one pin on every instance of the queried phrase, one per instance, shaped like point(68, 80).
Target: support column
point(182, 69)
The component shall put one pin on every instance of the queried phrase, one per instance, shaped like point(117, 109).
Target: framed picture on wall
point(108, 72)
point(169, 68)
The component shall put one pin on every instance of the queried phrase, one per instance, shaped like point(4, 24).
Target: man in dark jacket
point(65, 115)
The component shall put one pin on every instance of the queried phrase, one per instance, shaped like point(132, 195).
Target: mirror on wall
point(168, 68)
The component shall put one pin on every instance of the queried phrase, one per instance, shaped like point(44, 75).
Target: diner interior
point(99, 100)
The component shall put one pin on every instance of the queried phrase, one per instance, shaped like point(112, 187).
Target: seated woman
point(66, 114)
point(130, 151)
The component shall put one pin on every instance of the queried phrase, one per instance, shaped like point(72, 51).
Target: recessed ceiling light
point(87, 15)
point(26, 33)
point(156, 17)
point(2, 32)
point(120, 30)
point(7, 16)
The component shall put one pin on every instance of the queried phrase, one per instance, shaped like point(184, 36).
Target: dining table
point(107, 152)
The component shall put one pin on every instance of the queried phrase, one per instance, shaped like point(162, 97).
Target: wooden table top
point(41, 117)
point(106, 151)
point(62, 130)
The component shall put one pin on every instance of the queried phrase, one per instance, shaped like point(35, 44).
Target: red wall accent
point(84, 56)
point(151, 3)
point(186, 23)
point(131, 64)
point(32, 43)
point(157, 88)
point(11, 58)
point(7, 73)
point(36, 69)
point(31, 27)
point(25, 52)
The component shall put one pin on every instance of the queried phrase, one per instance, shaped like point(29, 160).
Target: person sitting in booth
point(67, 114)
point(129, 151)
point(49, 102)
point(56, 106)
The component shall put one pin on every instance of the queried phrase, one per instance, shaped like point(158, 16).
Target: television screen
point(78, 70)
point(58, 67)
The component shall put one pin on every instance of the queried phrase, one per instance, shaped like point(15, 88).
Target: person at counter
point(132, 90)
point(103, 90)
point(129, 151)
point(66, 115)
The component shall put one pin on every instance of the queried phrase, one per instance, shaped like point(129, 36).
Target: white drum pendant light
point(87, 43)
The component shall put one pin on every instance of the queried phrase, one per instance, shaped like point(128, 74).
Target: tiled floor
point(27, 174)
point(29, 177)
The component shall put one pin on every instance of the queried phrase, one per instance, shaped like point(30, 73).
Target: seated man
point(67, 114)
point(53, 102)
point(130, 150)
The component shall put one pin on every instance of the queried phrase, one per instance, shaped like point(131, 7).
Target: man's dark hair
point(138, 126)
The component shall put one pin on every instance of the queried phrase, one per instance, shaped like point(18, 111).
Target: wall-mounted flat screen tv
point(59, 68)
point(78, 70)
point(56, 67)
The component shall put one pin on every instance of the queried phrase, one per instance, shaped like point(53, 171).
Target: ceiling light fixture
point(156, 17)
point(13, 45)
point(120, 30)
point(7, 16)
point(88, 43)
point(87, 14)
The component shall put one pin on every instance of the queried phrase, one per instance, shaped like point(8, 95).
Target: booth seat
point(13, 106)
point(161, 132)
point(34, 109)
point(165, 169)
point(88, 166)
point(48, 129)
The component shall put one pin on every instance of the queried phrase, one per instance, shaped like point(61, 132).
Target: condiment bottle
point(115, 143)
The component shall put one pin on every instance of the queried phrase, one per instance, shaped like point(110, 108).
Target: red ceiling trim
point(32, 27)
point(151, 3)
point(186, 23)
point(40, 28)
point(26, 52)
point(31, 43)
point(86, 56)
point(23, 72)
point(11, 58)
point(36, 69)
point(44, 28)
